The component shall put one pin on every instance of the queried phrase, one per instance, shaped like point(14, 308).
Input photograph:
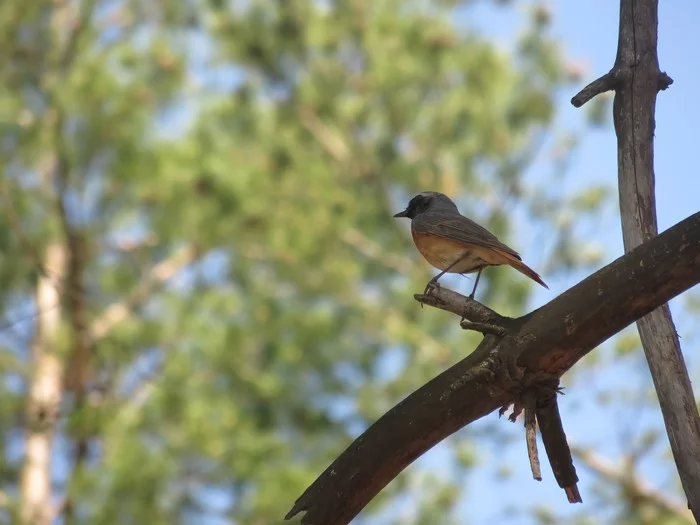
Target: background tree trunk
point(45, 391)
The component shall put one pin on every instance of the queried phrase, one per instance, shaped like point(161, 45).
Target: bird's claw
point(430, 286)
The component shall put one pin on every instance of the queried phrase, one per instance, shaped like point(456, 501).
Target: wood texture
point(636, 79)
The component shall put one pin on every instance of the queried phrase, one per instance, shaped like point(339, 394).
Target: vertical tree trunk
point(637, 65)
point(45, 391)
point(636, 79)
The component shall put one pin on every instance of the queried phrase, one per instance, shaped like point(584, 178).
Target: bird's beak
point(402, 214)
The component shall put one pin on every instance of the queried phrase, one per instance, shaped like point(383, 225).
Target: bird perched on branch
point(455, 244)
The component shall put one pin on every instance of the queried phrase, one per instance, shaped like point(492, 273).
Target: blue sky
point(589, 31)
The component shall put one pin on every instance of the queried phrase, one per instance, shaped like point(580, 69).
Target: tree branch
point(373, 250)
point(555, 444)
point(638, 487)
point(469, 309)
point(161, 272)
point(633, 112)
point(329, 140)
point(18, 232)
point(637, 68)
point(540, 345)
point(607, 82)
point(530, 402)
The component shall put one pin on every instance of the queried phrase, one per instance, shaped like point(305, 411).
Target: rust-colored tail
point(523, 268)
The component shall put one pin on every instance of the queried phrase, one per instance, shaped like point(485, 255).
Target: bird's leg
point(471, 295)
point(434, 281)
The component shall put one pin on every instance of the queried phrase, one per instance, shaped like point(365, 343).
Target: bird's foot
point(432, 284)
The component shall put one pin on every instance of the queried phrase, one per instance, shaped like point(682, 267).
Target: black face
point(416, 206)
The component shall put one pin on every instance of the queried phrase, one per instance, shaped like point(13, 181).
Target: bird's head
point(426, 201)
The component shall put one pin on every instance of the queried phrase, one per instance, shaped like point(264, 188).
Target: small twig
point(607, 82)
point(483, 328)
point(530, 402)
point(469, 309)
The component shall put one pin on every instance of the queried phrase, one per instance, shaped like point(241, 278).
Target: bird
point(452, 243)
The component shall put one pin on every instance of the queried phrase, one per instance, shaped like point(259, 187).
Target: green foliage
point(275, 139)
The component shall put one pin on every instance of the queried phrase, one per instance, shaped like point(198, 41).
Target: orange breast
point(441, 253)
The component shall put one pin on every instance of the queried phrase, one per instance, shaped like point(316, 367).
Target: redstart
point(454, 244)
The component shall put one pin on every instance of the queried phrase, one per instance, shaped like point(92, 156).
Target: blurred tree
point(203, 289)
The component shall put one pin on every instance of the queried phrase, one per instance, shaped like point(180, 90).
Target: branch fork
point(613, 80)
point(538, 401)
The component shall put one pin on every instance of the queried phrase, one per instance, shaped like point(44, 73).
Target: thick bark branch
point(539, 346)
point(638, 82)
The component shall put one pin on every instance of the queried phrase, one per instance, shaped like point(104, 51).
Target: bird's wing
point(459, 228)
